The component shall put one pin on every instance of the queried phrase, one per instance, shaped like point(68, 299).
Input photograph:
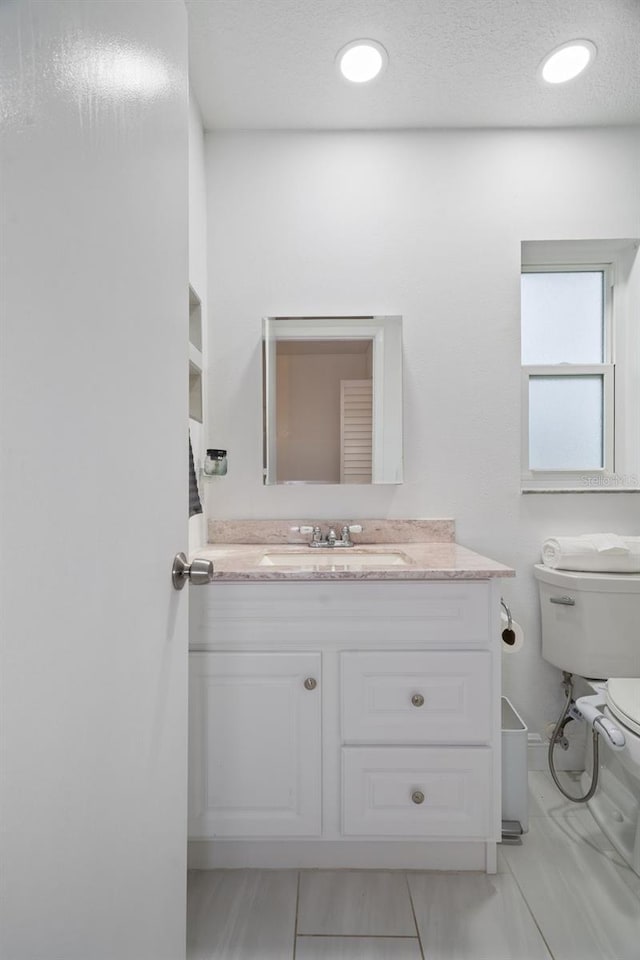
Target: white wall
point(427, 225)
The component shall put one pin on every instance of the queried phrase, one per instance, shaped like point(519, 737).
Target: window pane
point(562, 317)
point(566, 423)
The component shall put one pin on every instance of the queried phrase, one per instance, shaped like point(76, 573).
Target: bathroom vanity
point(345, 709)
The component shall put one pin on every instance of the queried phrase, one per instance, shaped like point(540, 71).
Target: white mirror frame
point(385, 332)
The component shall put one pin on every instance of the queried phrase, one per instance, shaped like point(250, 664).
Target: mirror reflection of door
point(356, 431)
point(324, 411)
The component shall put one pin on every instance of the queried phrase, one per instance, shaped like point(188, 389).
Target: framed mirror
point(332, 399)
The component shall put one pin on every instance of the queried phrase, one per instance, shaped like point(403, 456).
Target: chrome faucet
point(331, 540)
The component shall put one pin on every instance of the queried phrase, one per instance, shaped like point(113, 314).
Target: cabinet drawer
point(416, 697)
point(417, 792)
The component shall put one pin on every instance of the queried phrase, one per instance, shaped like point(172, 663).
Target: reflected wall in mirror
point(332, 398)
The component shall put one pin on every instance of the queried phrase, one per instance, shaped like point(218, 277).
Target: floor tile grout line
point(357, 936)
point(413, 913)
point(530, 909)
point(504, 860)
point(295, 926)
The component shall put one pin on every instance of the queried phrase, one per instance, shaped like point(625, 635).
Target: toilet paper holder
point(508, 634)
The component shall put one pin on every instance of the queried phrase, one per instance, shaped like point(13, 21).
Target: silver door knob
point(417, 700)
point(197, 572)
point(310, 683)
point(417, 796)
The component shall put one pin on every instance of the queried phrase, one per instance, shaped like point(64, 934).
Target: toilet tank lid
point(590, 582)
point(623, 699)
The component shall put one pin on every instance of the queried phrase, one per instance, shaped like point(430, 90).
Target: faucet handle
point(317, 535)
point(348, 530)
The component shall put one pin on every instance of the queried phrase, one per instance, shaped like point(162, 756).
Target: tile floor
point(564, 894)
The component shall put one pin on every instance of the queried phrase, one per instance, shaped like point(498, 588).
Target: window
point(579, 379)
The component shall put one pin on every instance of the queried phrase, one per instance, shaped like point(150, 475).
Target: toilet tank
point(590, 621)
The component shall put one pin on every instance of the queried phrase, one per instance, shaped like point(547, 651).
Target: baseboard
point(538, 749)
point(536, 752)
point(385, 855)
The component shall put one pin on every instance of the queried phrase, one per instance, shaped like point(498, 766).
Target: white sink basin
point(336, 559)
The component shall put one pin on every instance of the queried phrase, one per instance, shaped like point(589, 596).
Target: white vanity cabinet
point(392, 759)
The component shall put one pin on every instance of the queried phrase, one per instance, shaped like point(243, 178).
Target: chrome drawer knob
point(417, 796)
point(417, 700)
point(310, 683)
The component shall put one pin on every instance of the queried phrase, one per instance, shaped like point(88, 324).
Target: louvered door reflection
point(356, 426)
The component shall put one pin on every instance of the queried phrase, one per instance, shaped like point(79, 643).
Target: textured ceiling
point(270, 64)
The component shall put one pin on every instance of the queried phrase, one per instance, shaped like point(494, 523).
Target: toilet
point(591, 628)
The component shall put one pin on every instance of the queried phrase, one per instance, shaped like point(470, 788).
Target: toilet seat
point(623, 700)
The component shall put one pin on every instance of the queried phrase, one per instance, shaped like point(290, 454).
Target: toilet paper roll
point(519, 635)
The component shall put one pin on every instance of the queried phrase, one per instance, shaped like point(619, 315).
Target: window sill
point(586, 489)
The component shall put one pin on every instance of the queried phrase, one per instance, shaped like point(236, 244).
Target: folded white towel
point(593, 553)
point(606, 542)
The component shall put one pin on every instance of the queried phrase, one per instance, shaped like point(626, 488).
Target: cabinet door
point(255, 745)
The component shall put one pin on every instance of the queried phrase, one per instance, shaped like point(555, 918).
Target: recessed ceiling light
point(362, 60)
point(567, 61)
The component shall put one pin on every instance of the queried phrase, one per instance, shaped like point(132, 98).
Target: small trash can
point(515, 785)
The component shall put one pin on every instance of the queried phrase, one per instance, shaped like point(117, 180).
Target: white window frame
point(621, 395)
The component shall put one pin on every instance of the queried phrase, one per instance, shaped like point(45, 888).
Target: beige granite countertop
point(374, 531)
point(422, 561)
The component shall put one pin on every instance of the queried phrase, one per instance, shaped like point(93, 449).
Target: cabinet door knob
point(310, 683)
point(417, 700)
point(417, 796)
